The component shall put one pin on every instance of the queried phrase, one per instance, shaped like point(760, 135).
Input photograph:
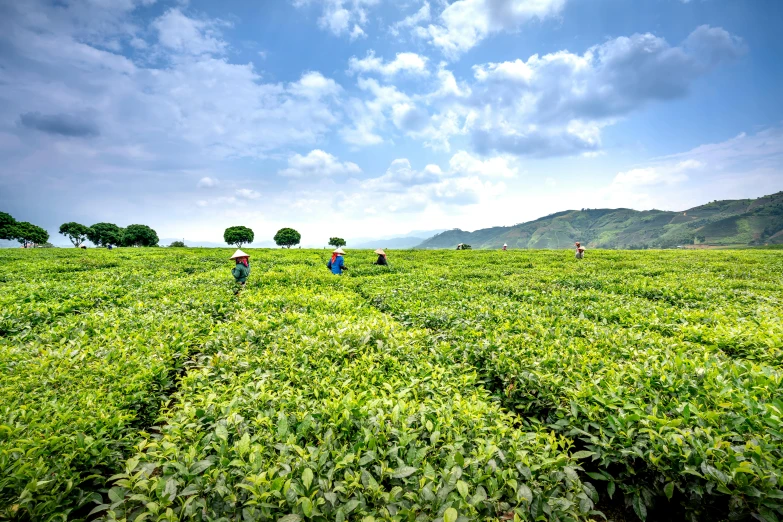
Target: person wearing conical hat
point(242, 269)
point(505, 247)
point(381, 258)
point(580, 250)
point(337, 263)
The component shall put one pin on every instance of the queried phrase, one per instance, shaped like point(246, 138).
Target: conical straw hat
point(237, 254)
point(338, 251)
point(380, 252)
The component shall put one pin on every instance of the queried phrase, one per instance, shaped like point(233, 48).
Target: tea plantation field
point(451, 386)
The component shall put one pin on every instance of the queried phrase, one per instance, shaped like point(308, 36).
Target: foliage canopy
point(105, 234)
point(287, 237)
point(76, 232)
point(448, 387)
point(238, 236)
point(139, 235)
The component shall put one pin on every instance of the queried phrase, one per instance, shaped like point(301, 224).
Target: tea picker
point(241, 270)
point(337, 263)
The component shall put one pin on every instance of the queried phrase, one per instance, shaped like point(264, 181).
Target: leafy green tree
point(287, 237)
point(177, 244)
point(337, 242)
point(27, 233)
point(76, 232)
point(6, 226)
point(238, 236)
point(465, 246)
point(139, 235)
point(105, 234)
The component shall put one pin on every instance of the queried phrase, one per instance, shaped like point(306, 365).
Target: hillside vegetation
point(742, 222)
point(136, 384)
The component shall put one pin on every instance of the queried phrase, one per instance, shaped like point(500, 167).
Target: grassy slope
point(721, 223)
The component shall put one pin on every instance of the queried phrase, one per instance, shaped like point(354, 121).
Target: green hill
point(742, 222)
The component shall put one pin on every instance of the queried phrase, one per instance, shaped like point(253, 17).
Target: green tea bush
point(137, 385)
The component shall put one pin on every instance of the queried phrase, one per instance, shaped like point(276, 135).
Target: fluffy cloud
point(341, 17)
point(188, 35)
point(745, 166)
point(403, 189)
point(412, 21)
point(368, 116)
point(667, 174)
point(198, 105)
point(464, 23)
point(207, 182)
point(318, 163)
point(247, 194)
point(499, 166)
point(411, 63)
point(557, 104)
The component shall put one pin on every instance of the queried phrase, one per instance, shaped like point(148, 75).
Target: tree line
point(109, 234)
point(100, 234)
point(26, 233)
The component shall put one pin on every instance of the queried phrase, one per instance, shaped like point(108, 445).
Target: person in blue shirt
point(337, 263)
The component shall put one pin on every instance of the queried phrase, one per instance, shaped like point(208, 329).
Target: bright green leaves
point(448, 388)
point(307, 478)
point(404, 472)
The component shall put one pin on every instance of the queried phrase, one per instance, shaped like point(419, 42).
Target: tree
point(76, 232)
point(7, 224)
point(238, 236)
point(27, 233)
point(177, 244)
point(287, 237)
point(337, 242)
point(139, 235)
point(105, 234)
point(465, 246)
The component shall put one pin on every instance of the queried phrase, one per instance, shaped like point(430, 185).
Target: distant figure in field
point(580, 250)
point(84, 247)
point(459, 247)
point(381, 258)
point(242, 269)
point(337, 263)
point(109, 247)
point(505, 247)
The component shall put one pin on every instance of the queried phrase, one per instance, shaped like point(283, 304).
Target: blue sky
point(369, 118)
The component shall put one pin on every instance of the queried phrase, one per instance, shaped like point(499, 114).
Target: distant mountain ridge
point(400, 242)
point(742, 222)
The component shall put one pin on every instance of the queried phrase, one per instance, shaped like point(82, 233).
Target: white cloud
point(746, 166)
point(411, 63)
point(667, 174)
point(188, 35)
point(248, 194)
point(557, 104)
point(498, 166)
point(314, 85)
point(405, 189)
point(409, 22)
point(464, 23)
point(407, 116)
point(207, 182)
point(341, 17)
point(357, 32)
point(368, 117)
point(318, 164)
